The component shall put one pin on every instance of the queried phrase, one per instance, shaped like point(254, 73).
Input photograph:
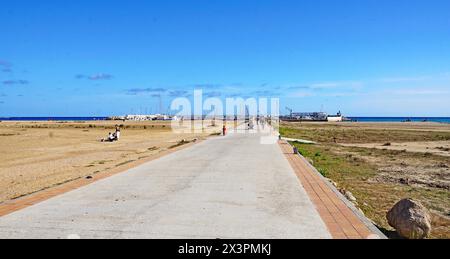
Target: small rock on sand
point(332, 182)
point(349, 196)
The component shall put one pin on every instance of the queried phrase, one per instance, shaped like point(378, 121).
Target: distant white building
point(335, 118)
point(138, 117)
point(151, 117)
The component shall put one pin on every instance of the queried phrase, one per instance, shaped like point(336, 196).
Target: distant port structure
point(312, 116)
point(143, 117)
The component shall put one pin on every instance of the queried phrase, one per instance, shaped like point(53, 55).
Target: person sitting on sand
point(110, 138)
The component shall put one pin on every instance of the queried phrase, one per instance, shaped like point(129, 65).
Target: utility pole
point(160, 105)
point(290, 112)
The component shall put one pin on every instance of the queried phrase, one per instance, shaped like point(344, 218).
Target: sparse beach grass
point(378, 176)
point(367, 132)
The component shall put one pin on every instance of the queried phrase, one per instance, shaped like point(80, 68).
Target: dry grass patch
point(362, 133)
point(376, 173)
point(359, 171)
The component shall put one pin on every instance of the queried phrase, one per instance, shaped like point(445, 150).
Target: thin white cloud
point(324, 85)
point(96, 77)
point(340, 84)
point(403, 79)
point(15, 82)
point(301, 94)
point(424, 91)
point(100, 77)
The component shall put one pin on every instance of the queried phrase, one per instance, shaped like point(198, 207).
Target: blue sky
point(98, 57)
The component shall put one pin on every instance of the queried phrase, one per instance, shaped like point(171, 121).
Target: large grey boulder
point(411, 219)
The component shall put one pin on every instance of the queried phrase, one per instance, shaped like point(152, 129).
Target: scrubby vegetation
point(343, 134)
point(379, 178)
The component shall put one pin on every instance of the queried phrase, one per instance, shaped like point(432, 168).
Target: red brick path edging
point(340, 220)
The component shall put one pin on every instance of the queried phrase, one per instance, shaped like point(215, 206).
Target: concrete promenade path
point(224, 187)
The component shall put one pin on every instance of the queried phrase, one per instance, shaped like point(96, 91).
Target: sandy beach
point(382, 163)
point(38, 155)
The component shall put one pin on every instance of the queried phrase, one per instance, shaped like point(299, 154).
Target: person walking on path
point(224, 130)
point(117, 134)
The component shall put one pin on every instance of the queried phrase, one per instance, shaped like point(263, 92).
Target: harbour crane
point(290, 111)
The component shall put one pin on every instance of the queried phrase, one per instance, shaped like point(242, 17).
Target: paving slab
point(225, 187)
